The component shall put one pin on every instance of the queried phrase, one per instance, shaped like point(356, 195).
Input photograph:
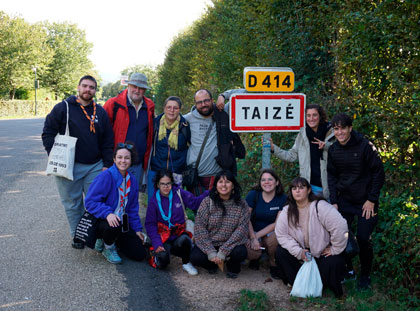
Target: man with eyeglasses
point(222, 146)
point(89, 123)
point(131, 115)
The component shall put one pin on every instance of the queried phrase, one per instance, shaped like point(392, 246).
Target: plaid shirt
point(212, 229)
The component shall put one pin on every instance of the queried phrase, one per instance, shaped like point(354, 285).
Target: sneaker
point(254, 264)
point(189, 268)
point(364, 283)
point(78, 245)
point(274, 273)
point(99, 245)
point(111, 255)
point(349, 276)
point(231, 275)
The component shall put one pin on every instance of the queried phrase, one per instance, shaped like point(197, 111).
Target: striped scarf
point(123, 191)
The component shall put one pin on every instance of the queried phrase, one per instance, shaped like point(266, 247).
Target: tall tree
point(22, 47)
point(70, 60)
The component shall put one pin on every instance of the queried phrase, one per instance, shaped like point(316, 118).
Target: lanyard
point(92, 120)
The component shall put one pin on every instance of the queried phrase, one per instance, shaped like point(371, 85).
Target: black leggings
point(331, 269)
point(180, 247)
point(233, 264)
point(128, 243)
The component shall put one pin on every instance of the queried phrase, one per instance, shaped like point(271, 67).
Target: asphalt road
point(39, 270)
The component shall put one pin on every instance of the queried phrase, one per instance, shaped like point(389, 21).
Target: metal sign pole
point(266, 154)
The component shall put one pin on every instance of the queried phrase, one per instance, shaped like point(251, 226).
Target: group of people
point(123, 145)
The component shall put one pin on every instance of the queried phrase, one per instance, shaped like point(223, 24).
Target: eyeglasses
point(127, 146)
point(163, 184)
point(205, 101)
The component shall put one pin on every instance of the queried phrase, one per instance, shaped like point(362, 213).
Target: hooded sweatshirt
point(199, 126)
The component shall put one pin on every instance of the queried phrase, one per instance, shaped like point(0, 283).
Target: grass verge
point(253, 300)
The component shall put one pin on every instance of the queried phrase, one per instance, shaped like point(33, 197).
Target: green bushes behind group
point(359, 57)
point(25, 108)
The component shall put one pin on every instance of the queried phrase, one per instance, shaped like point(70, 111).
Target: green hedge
point(25, 108)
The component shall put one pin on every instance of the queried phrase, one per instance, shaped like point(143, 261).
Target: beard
point(206, 112)
point(86, 96)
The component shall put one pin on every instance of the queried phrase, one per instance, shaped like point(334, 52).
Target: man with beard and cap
point(131, 115)
point(222, 146)
point(89, 123)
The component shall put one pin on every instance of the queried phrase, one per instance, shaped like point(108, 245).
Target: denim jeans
point(71, 192)
point(137, 171)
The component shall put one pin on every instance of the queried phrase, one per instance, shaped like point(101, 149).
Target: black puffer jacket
point(355, 171)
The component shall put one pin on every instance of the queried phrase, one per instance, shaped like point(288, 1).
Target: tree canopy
point(58, 51)
point(359, 57)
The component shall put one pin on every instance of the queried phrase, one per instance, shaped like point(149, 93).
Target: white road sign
point(255, 112)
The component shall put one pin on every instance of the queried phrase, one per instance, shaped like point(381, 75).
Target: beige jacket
point(326, 228)
point(301, 150)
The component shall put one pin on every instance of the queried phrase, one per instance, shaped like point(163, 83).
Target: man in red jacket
point(131, 115)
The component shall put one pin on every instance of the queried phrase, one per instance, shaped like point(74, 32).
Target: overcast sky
point(123, 33)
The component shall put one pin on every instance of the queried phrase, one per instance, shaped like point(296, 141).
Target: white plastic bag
point(61, 157)
point(308, 281)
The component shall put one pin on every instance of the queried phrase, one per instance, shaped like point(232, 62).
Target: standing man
point(89, 123)
point(131, 115)
point(355, 178)
point(222, 147)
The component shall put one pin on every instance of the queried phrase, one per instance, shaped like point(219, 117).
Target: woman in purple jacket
point(165, 221)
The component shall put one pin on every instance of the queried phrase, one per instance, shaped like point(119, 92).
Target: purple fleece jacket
point(153, 215)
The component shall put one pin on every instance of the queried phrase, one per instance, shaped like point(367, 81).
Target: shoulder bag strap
point(203, 145)
point(67, 121)
point(182, 202)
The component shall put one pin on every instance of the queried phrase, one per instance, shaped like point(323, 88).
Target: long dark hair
point(279, 187)
point(236, 191)
point(293, 211)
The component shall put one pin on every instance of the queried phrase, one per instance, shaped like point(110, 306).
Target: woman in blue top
point(171, 139)
point(113, 199)
point(265, 201)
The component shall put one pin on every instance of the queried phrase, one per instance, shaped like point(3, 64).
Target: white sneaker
point(190, 269)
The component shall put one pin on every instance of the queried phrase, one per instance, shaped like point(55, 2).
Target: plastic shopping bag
point(308, 281)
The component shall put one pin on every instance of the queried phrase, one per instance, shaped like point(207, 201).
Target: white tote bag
point(61, 158)
point(308, 281)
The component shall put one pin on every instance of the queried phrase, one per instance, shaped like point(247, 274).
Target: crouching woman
point(165, 221)
point(221, 227)
point(308, 224)
point(113, 199)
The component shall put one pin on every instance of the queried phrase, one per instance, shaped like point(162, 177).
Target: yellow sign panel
point(269, 79)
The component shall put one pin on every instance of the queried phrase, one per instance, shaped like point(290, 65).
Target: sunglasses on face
point(126, 146)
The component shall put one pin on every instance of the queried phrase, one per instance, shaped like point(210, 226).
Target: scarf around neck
point(124, 186)
point(159, 201)
point(174, 128)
